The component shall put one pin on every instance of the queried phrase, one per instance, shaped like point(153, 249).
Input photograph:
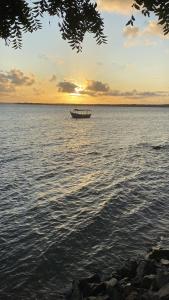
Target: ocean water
point(78, 196)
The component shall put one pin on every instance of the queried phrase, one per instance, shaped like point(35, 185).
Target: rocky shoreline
point(145, 278)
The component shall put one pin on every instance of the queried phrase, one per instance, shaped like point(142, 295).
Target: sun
point(77, 91)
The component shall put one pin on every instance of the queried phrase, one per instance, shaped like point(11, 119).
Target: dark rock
point(141, 269)
point(123, 282)
point(143, 279)
point(164, 292)
point(133, 296)
point(110, 290)
point(85, 288)
point(162, 278)
point(75, 294)
point(127, 270)
point(146, 267)
point(111, 283)
point(136, 282)
point(105, 297)
point(150, 267)
point(96, 278)
point(149, 295)
point(114, 293)
point(99, 289)
point(164, 262)
point(86, 285)
point(127, 289)
point(159, 254)
point(148, 281)
point(93, 279)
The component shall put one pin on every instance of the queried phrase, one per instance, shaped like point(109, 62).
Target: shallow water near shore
point(77, 196)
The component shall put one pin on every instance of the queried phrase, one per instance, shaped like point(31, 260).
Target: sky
point(132, 68)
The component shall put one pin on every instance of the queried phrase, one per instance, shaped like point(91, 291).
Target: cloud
point(100, 89)
point(17, 77)
point(67, 87)
point(134, 94)
point(97, 86)
point(136, 36)
point(131, 31)
point(93, 87)
point(154, 29)
point(6, 87)
point(53, 78)
point(117, 6)
point(14, 78)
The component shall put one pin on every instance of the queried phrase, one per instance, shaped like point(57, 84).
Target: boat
point(80, 113)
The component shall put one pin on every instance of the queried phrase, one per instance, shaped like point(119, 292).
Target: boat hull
point(80, 116)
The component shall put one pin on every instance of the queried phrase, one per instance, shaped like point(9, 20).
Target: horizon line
point(85, 104)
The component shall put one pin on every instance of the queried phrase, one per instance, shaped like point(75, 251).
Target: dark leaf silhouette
point(76, 18)
point(159, 7)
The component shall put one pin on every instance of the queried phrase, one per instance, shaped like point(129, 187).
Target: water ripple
point(78, 196)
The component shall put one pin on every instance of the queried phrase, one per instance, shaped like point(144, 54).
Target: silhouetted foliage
point(76, 17)
point(159, 7)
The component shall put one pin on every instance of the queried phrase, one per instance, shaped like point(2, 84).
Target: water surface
point(77, 196)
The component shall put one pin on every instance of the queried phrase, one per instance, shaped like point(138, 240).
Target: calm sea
point(78, 196)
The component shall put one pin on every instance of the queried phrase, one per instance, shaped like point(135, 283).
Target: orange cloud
point(131, 31)
point(99, 89)
point(14, 78)
point(117, 6)
point(154, 29)
point(136, 36)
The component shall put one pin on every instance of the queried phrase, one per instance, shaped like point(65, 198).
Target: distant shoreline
point(75, 104)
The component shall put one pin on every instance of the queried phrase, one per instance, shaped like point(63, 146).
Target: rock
point(127, 289)
point(85, 288)
point(99, 289)
point(111, 283)
point(146, 267)
point(76, 294)
point(93, 279)
point(86, 285)
point(105, 297)
point(114, 293)
point(149, 295)
point(150, 267)
point(127, 270)
point(141, 269)
point(164, 262)
point(148, 281)
point(132, 296)
point(143, 279)
point(159, 254)
point(123, 282)
point(96, 278)
point(163, 293)
point(110, 286)
point(162, 278)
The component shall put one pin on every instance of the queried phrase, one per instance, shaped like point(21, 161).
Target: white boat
point(80, 113)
